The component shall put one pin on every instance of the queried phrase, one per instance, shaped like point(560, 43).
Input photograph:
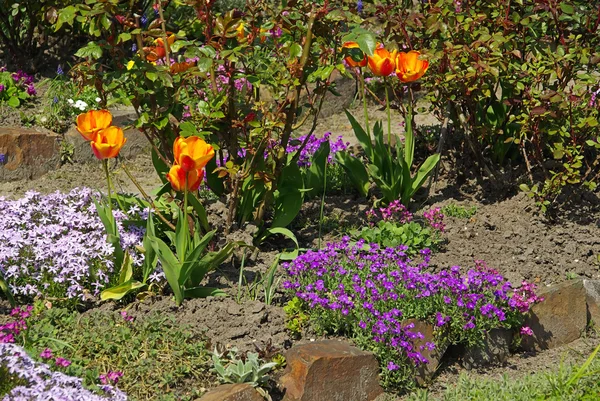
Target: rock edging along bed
point(331, 370)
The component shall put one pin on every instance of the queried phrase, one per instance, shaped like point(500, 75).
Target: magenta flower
point(46, 354)
point(62, 362)
point(526, 331)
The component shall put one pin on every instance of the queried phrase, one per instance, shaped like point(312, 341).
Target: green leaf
point(170, 265)
point(288, 199)
point(424, 171)
point(203, 292)
point(286, 233)
point(363, 138)
point(13, 102)
point(199, 209)
point(6, 290)
point(126, 269)
point(119, 291)
point(160, 166)
point(150, 256)
point(567, 8)
point(315, 175)
point(214, 182)
point(356, 171)
point(295, 50)
point(91, 50)
point(209, 262)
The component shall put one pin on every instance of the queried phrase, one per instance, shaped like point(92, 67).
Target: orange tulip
point(192, 153)
point(176, 68)
point(177, 177)
point(409, 67)
point(108, 143)
point(382, 63)
point(349, 60)
point(88, 124)
point(158, 52)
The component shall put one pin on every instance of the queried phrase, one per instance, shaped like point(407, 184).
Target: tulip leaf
point(199, 209)
point(203, 292)
point(356, 171)
point(6, 290)
point(315, 175)
point(119, 291)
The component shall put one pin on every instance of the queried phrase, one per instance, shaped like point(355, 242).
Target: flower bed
point(369, 293)
point(55, 245)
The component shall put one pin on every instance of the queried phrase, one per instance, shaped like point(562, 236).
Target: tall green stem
point(409, 143)
point(186, 231)
point(364, 96)
point(323, 200)
point(389, 116)
point(105, 165)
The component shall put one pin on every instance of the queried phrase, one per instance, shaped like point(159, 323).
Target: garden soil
point(507, 231)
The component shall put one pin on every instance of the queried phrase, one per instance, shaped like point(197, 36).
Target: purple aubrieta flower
point(2, 87)
point(62, 362)
point(2, 158)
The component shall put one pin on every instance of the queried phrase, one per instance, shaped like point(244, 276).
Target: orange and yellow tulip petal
point(192, 153)
point(177, 68)
point(382, 63)
point(349, 60)
point(108, 143)
point(88, 124)
point(177, 177)
point(409, 67)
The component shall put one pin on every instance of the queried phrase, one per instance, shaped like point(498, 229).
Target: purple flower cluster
point(525, 297)
point(55, 245)
point(22, 78)
point(9, 331)
point(313, 144)
point(41, 383)
point(373, 291)
point(395, 211)
point(435, 219)
point(111, 377)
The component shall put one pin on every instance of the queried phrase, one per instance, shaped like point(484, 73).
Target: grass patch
point(160, 359)
point(461, 212)
point(568, 383)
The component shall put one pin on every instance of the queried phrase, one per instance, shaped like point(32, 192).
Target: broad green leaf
point(286, 233)
point(315, 175)
point(119, 291)
point(199, 209)
point(363, 138)
point(424, 171)
point(203, 292)
point(170, 265)
point(6, 290)
point(209, 262)
point(356, 171)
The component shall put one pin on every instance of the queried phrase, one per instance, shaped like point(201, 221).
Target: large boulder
point(560, 319)
point(27, 154)
point(330, 370)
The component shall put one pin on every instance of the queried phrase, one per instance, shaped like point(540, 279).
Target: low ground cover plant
point(369, 292)
point(55, 246)
point(394, 225)
point(147, 358)
point(16, 88)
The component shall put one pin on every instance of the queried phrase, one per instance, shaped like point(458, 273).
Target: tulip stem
point(364, 96)
point(186, 231)
point(389, 116)
point(105, 165)
point(148, 199)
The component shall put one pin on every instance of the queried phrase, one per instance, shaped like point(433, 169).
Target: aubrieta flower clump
point(55, 245)
point(23, 79)
point(395, 211)
point(36, 381)
point(370, 292)
point(435, 219)
point(11, 330)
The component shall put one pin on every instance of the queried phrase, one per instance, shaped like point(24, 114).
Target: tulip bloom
point(349, 60)
point(241, 33)
point(192, 153)
point(177, 68)
point(90, 123)
point(158, 52)
point(108, 143)
point(382, 63)
point(177, 177)
point(409, 67)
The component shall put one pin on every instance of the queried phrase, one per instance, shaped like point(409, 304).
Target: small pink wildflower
point(46, 354)
point(526, 331)
point(62, 362)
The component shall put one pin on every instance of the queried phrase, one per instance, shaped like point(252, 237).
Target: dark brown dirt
point(513, 237)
